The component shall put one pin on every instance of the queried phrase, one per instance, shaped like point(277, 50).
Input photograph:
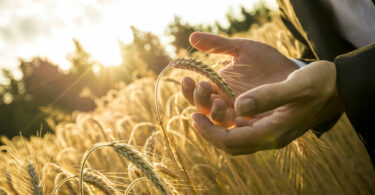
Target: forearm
point(356, 84)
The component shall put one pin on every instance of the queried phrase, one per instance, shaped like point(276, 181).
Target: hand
point(306, 98)
point(255, 62)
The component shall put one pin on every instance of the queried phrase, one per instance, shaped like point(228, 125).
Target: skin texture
point(276, 102)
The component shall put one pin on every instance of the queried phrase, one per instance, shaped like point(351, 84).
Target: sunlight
point(46, 30)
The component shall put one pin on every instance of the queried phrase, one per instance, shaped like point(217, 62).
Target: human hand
point(306, 98)
point(254, 64)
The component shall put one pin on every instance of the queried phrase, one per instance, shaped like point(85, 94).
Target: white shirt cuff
point(298, 62)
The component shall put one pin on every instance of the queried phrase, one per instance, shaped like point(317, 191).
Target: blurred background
point(57, 57)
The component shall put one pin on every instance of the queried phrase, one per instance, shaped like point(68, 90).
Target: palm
point(253, 65)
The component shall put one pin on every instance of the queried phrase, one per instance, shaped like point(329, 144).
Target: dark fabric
point(356, 85)
point(311, 23)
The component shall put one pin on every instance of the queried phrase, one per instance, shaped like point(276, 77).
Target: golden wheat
point(98, 180)
point(336, 163)
point(3, 191)
point(34, 179)
point(205, 70)
point(147, 169)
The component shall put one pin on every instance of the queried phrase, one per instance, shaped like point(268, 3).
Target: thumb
point(266, 97)
point(213, 43)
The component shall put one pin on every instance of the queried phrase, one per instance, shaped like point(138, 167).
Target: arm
point(356, 84)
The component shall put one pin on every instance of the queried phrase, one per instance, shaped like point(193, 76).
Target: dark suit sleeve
point(356, 85)
point(307, 56)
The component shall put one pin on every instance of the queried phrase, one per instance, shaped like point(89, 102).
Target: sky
point(46, 27)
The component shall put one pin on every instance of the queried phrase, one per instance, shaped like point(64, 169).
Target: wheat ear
point(10, 183)
point(147, 169)
point(133, 156)
point(34, 178)
point(130, 186)
point(149, 147)
point(3, 191)
point(99, 181)
point(163, 168)
point(205, 70)
point(57, 186)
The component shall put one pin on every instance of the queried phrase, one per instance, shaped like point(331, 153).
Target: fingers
point(222, 115)
point(212, 133)
point(235, 141)
point(202, 97)
point(214, 43)
point(267, 97)
point(241, 122)
point(187, 88)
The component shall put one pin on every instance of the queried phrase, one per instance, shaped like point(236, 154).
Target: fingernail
point(201, 90)
point(246, 106)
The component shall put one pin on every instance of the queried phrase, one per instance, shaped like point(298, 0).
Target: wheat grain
point(3, 191)
point(163, 168)
point(34, 178)
point(10, 182)
point(133, 156)
point(130, 186)
point(205, 70)
point(149, 147)
point(147, 169)
point(58, 185)
point(99, 181)
point(67, 178)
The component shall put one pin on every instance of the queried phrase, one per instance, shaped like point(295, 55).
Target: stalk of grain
point(133, 172)
point(146, 167)
point(37, 190)
point(131, 185)
point(149, 147)
point(164, 169)
point(60, 171)
point(133, 156)
point(3, 191)
point(67, 178)
point(203, 69)
point(10, 183)
point(99, 181)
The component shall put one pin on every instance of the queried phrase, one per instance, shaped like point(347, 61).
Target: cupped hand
point(306, 98)
point(254, 63)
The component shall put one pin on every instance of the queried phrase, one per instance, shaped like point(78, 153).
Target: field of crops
point(137, 159)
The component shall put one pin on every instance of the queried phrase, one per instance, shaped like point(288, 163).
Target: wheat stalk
point(58, 185)
point(34, 178)
point(98, 180)
point(163, 168)
point(149, 147)
point(130, 186)
point(3, 191)
point(68, 177)
point(147, 169)
point(205, 70)
point(10, 182)
point(133, 156)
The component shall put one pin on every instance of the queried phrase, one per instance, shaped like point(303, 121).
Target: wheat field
point(131, 154)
